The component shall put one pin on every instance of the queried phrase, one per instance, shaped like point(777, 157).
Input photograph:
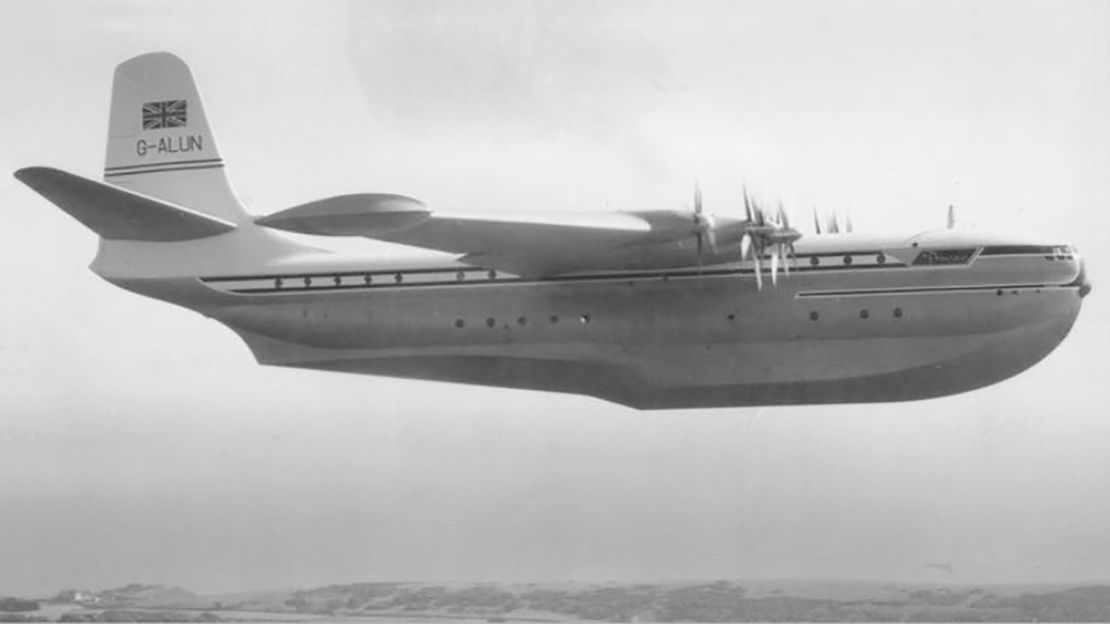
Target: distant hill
point(713, 601)
point(717, 601)
point(137, 596)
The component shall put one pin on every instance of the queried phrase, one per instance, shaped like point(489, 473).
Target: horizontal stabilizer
point(364, 214)
point(117, 214)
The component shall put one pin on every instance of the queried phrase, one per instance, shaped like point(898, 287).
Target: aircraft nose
point(1081, 279)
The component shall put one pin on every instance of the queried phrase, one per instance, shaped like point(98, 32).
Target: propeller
point(762, 234)
point(951, 217)
point(704, 225)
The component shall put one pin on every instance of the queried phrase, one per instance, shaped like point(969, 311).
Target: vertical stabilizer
point(159, 142)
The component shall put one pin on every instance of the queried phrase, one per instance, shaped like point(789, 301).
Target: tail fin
point(159, 142)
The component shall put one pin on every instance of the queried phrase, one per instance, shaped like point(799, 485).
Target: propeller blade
point(697, 198)
point(785, 262)
point(711, 232)
point(848, 225)
point(745, 245)
point(816, 221)
point(774, 268)
point(748, 205)
point(834, 227)
point(784, 219)
point(951, 216)
point(758, 272)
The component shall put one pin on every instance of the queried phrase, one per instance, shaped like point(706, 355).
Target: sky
point(140, 442)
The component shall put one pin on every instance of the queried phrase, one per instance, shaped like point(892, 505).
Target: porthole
point(732, 317)
point(460, 276)
point(897, 312)
point(522, 321)
point(369, 279)
point(847, 260)
point(398, 277)
point(307, 281)
point(999, 292)
point(277, 283)
point(881, 258)
point(585, 318)
point(553, 319)
point(864, 313)
point(813, 316)
point(814, 261)
point(492, 274)
point(338, 280)
point(459, 323)
point(490, 322)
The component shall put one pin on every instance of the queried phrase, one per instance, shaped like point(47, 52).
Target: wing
point(527, 243)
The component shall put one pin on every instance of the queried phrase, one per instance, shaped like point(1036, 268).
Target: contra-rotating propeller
point(762, 234)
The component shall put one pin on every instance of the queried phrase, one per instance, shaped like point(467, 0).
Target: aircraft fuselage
point(857, 320)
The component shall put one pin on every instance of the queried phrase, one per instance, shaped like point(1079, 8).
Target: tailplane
point(117, 214)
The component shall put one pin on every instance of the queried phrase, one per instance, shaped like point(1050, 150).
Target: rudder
point(159, 141)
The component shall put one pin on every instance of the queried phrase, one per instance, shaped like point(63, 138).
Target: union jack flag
point(168, 114)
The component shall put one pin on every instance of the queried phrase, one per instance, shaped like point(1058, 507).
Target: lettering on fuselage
point(170, 145)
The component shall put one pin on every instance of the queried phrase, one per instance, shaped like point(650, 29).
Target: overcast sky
point(140, 441)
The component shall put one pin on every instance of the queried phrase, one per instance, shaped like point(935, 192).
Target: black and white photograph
point(543, 311)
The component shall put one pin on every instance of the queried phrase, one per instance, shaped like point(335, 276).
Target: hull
point(670, 340)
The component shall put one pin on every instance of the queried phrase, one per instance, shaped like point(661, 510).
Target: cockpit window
point(943, 256)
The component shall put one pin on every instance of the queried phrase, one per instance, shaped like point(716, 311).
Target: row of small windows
point(368, 279)
point(814, 315)
point(880, 259)
point(864, 313)
point(491, 322)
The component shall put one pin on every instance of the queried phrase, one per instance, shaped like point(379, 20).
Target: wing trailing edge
point(118, 214)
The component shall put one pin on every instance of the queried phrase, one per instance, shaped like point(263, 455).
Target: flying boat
point(650, 309)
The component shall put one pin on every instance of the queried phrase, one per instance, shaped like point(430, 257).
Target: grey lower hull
point(978, 361)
